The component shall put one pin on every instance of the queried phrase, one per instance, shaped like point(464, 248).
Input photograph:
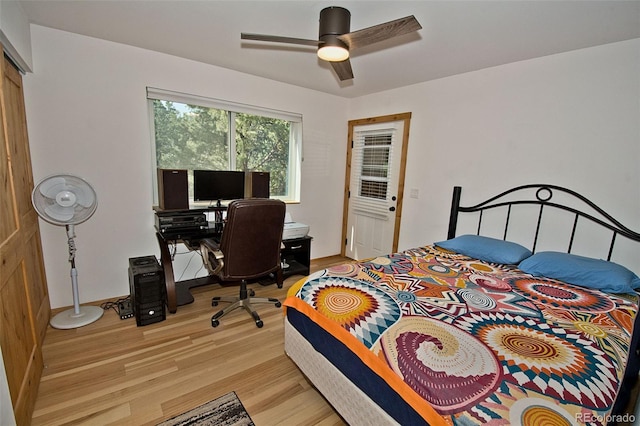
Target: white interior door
point(373, 189)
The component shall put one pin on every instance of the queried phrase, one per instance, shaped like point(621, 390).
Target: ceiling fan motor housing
point(334, 21)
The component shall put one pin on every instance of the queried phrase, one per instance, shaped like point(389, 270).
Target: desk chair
point(249, 249)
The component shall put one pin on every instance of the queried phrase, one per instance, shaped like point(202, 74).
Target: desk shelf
point(297, 254)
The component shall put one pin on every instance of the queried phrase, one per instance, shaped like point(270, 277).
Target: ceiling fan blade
point(279, 39)
point(343, 69)
point(381, 32)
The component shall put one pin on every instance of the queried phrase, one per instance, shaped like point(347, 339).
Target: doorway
point(374, 185)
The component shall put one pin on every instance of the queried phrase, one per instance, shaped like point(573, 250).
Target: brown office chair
point(249, 249)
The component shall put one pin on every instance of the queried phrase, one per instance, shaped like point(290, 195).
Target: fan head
point(64, 199)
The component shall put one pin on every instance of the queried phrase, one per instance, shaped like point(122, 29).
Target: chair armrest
point(212, 256)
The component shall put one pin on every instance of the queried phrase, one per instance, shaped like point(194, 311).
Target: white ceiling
point(457, 36)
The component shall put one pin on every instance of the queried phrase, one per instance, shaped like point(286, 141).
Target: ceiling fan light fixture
point(333, 53)
point(336, 40)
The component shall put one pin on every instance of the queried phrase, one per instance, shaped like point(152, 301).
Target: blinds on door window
point(371, 171)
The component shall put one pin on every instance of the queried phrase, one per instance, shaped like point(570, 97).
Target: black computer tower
point(147, 288)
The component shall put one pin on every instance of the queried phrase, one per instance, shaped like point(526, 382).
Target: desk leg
point(167, 266)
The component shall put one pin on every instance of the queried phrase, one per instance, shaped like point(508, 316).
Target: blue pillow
point(488, 249)
point(583, 271)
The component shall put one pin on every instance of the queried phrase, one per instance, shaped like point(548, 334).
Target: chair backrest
point(251, 238)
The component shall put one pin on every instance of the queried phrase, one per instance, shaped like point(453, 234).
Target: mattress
point(351, 402)
point(434, 337)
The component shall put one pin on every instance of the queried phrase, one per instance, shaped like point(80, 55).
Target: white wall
point(14, 34)
point(87, 115)
point(6, 407)
point(571, 119)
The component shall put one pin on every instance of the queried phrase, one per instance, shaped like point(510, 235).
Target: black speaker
point(256, 185)
point(147, 288)
point(173, 189)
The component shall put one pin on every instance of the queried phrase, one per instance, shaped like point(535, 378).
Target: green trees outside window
point(195, 137)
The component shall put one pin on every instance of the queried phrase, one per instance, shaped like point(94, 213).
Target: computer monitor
point(217, 185)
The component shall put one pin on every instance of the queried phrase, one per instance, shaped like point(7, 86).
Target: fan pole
point(74, 272)
point(78, 316)
point(74, 286)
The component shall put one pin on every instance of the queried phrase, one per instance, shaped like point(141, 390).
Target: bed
point(478, 329)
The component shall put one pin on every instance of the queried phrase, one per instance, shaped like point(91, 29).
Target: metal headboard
point(544, 199)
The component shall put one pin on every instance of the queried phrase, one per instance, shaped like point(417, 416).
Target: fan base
point(69, 319)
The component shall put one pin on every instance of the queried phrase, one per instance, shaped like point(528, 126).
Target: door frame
point(406, 118)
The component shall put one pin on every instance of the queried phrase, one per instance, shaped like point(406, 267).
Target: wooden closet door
point(24, 298)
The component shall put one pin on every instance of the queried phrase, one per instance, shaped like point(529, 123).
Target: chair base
point(241, 302)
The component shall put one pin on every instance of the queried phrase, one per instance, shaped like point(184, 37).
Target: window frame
point(232, 108)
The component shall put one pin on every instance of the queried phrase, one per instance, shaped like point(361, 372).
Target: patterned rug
point(224, 411)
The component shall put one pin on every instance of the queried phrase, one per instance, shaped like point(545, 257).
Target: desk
point(296, 253)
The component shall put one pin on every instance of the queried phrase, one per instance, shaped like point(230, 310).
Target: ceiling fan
point(335, 41)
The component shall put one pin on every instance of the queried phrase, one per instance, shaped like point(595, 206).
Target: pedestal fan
point(67, 200)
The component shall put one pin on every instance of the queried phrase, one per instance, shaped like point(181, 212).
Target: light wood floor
point(113, 372)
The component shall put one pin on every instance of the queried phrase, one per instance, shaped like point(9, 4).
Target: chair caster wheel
point(259, 323)
point(252, 293)
point(214, 303)
point(214, 322)
point(279, 285)
point(278, 304)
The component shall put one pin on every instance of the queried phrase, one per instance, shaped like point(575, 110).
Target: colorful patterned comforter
point(481, 343)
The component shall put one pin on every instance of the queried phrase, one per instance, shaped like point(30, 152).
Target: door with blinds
point(375, 182)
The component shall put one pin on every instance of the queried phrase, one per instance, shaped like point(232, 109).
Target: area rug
point(224, 411)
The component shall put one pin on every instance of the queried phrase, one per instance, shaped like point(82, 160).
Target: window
point(193, 133)
point(374, 171)
point(374, 157)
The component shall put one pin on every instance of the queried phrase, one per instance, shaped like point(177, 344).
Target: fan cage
point(46, 197)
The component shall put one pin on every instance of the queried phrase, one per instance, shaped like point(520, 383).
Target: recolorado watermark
point(609, 418)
